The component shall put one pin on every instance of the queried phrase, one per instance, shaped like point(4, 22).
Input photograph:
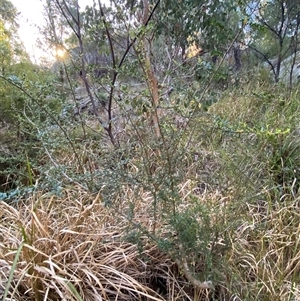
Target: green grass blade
point(12, 270)
point(74, 291)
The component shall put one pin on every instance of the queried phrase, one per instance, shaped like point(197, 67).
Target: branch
point(67, 19)
point(264, 22)
point(48, 114)
point(282, 19)
point(116, 72)
point(188, 274)
point(135, 38)
point(109, 127)
point(264, 56)
point(145, 12)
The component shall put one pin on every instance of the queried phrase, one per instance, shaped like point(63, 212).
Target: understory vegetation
point(170, 179)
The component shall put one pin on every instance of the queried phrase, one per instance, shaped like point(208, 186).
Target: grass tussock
point(210, 212)
point(73, 248)
point(266, 252)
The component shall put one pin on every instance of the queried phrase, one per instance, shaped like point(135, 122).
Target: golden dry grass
point(74, 249)
point(74, 246)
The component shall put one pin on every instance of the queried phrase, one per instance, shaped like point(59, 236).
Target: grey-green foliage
point(31, 103)
point(217, 22)
point(274, 31)
point(8, 12)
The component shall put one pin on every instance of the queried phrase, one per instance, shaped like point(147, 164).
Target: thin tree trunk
point(151, 78)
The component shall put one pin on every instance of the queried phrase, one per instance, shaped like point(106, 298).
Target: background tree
point(11, 55)
point(275, 32)
point(176, 180)
point(211, 24)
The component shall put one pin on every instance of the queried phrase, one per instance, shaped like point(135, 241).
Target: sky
point(31, 16)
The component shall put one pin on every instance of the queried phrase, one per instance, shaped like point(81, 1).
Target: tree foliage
point(194, 145)
point(275, 31)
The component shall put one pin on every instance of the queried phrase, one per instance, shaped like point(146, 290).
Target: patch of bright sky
point(31, 16)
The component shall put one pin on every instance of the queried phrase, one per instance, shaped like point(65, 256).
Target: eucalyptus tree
point(96, 31)
point(9, 13)
point(212, 24)
point(10, 45)
point(275, 32)
point(12, 55)
point(130, 28)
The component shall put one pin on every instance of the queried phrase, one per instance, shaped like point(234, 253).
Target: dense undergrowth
point(210, 211)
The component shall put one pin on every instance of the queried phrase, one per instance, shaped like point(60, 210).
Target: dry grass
point(266, 252)
point(226, 222)
point(73, 246)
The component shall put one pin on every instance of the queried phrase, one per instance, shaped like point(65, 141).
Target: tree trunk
point(151, 78)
